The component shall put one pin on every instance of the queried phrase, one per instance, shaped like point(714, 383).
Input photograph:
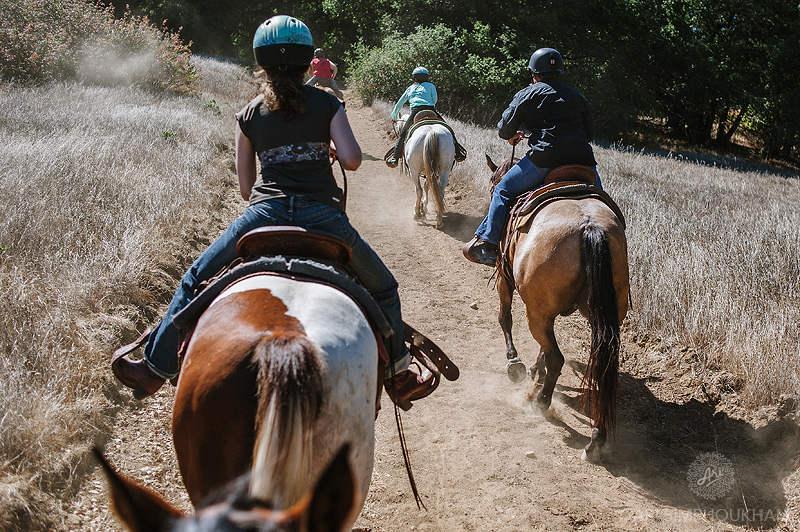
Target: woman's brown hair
point(283, 91)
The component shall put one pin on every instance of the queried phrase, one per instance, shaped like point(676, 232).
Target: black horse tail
point(600, 379)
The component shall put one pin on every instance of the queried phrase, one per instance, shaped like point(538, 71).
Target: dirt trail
point(482, 457)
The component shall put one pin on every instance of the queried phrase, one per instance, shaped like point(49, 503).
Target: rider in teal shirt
point(421, 96)
point(417, 95)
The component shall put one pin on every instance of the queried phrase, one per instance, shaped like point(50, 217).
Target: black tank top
point(293, 153)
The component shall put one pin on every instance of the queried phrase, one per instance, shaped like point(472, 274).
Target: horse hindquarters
point(600, 378)
point(215, 406)
point(268, 335)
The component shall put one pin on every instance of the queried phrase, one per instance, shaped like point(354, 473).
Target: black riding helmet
point(545, 61)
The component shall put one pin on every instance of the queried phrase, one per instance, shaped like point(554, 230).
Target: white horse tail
point(430, 159)
point(289, 382)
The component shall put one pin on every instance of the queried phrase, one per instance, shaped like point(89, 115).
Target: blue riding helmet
point(420, 70)
point(283, 42)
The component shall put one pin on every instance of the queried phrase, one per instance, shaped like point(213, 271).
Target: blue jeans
point(522, 177)
point(161, 351)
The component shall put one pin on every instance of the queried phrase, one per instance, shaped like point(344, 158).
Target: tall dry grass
point(108, 193)
point(714, 255)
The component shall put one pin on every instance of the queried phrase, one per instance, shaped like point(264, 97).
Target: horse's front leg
point(514, 366)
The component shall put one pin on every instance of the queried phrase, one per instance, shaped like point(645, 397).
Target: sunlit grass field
point(110, 193)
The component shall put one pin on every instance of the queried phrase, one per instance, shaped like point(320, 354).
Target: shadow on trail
point(692, 457)
point(461, 226)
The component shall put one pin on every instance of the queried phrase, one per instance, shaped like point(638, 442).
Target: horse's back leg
point(541, 328)
point(214, 412)
point(514, 366)
point(419, 209)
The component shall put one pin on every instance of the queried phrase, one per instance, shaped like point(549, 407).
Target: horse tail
point(600, 378)
point(431, 150)
point(289, 396)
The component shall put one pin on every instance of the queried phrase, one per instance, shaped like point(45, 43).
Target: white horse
point(429, 156)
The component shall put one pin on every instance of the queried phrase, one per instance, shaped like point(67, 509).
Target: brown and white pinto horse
point(572, 255)
point(325, 509)
point(279, 374)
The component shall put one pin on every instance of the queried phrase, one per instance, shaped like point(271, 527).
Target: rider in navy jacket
point(559, 120)
point(560, 126)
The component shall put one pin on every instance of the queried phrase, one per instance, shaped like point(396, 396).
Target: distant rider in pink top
point(322, 72)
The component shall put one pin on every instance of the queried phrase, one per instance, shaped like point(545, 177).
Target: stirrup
point(131, 347)
point(471, 254)
point(430, 381)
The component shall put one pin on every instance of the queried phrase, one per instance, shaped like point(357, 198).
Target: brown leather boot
point(137, 375)
point(408, 386)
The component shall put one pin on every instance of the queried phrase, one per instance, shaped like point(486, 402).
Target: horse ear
point(334, 496)
point(139, 509)
point(490, 162)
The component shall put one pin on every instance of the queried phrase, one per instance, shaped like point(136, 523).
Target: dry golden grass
point(714, 255)
point(108, 193)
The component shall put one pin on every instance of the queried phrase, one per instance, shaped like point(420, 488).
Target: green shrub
point(79, 39)
point(472, 82)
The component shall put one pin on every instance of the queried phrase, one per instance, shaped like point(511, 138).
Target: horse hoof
point(592, 455)
point(516, 370)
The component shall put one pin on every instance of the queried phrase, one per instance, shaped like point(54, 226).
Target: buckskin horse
point(280, 371)
point(429, 156)
point(569, 253)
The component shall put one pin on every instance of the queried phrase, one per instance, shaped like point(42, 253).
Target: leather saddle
point(318, 256)
point(572, 181)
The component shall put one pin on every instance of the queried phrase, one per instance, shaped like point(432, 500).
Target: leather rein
point(398, 420)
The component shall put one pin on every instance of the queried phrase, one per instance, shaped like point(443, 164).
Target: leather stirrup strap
point(423, 348)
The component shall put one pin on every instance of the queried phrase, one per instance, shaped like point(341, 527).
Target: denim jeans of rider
point(522, 177)
point(161, 351)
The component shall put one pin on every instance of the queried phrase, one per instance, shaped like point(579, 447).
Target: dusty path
point(482, 458)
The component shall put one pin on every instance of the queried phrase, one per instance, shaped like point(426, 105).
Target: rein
point(514, 146)
point(398, 420)
point(404, 448)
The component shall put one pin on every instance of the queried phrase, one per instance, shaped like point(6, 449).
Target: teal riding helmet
point(283, 42)
point(420, 70)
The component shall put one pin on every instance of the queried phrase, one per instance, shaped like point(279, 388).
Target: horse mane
point(502, 170)
point(290, 371)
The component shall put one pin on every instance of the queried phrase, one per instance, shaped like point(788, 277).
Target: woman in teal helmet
point(287, 130)
point(421, 96)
